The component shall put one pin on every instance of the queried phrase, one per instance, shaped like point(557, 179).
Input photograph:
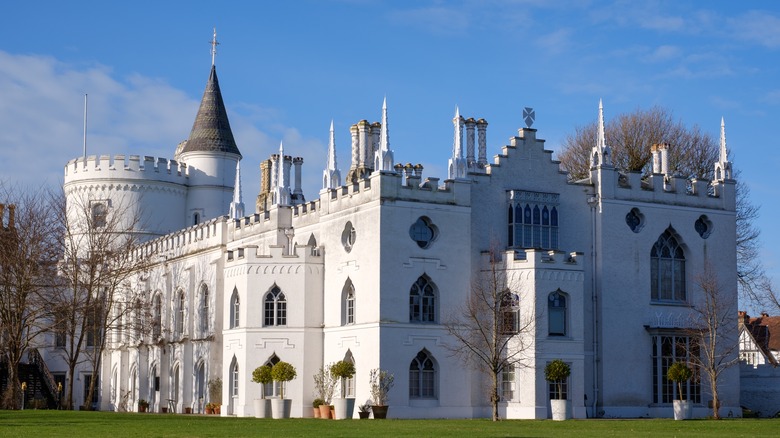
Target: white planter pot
point(682, 410)
point(262, 407)
point(280, 408)
point(344, 407)
point(560, 410)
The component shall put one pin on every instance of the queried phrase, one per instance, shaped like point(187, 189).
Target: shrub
point(381, 382)
point(557, 372)
point(262, 375)
point(283, 372)
point(679, 373)
point(324, 384)
point(342, 369)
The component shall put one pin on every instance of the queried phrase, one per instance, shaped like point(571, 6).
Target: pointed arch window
point(272, 389)
point(235, 309)
point(157, 317)
point(556, 314)
point(233, 388)
point(275, 311)
point(422, 376)
point(422, 301)
point(180, 312)
point(348, 297)
point(204, 310)
point(667, 269)
point(510, 305)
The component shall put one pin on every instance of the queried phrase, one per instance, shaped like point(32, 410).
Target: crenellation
point(128, 167)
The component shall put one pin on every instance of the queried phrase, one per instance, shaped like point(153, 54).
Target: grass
point(72, 424)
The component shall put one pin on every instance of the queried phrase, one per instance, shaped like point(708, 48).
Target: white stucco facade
point(586, 246)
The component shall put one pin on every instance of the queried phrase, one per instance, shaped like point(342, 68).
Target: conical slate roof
point(211, 130)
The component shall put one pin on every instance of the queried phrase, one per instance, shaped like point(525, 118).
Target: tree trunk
point(11, 395)
point(494, 396)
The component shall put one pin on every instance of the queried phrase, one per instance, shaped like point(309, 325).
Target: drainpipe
point(593, 202)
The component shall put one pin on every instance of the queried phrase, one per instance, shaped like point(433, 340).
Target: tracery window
point(423, 232)
point(422, 300)
point(532, 219)
point(275, 312)
point(510, 304)
point(667, 269)
point(422, 376)
point(204, 310)
point(180, 305)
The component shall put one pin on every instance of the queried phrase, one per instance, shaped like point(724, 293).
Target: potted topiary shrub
point(341, 371)
point(679, 373)
point(380, 383)
point(324, 383)
point(262, 375)
point(282, 372)
point(143, 405)
point(556, 372)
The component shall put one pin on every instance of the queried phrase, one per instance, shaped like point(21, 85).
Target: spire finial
point(601, 142)
point(237, 206)
point(332, 148)
point(723, 151)
point(384, 133)
point(214, 45)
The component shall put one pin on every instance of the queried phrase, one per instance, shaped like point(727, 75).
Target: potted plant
point(364, 411)
point(341, 371)
point(282, 372)
point(679, 373)
point(316, 406)
point(324, 383)
point(556, 372)
point(209, 408)
point(262, 375)
point(215, 394)
point(143, 405)
point(380, 383)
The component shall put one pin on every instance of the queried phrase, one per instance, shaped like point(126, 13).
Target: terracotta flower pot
point(316, 412)
point(324, 412)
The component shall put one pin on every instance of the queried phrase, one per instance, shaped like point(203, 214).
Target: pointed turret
point(331, 176)
point(210, 153)
point(237, 206)
point(601, 154)
point(211, 131)
point(282, 191)
point(723, 166)
point(457, 164)
point(384, 156)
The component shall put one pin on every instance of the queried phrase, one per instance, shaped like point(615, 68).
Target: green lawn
point(41, 424)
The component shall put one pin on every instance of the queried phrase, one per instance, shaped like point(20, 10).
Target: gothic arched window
point(667, 269)
point(275, 308)
point(422, 301)
point(422, 376)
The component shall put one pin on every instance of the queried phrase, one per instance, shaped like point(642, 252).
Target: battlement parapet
point(251, 254)
point(131, 167)
point(664, 189)
point(182, 242)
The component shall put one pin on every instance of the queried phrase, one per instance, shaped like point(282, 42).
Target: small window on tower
point(423, 232)
point(99, 214)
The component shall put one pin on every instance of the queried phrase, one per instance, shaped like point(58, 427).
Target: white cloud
point(663, 53)
point(759, 27)
point(41, 122)
point(555, 42)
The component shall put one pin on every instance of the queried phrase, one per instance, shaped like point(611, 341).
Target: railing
point(34, 357)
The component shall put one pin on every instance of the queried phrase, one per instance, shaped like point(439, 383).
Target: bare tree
point(715, 332)
point(29, 252)
point(97, 266)
point(692, 155)
point(491, 332)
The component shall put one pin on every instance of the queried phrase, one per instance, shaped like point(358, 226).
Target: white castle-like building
point(369, 268)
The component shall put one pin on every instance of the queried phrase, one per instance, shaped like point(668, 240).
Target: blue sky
point(287, 68)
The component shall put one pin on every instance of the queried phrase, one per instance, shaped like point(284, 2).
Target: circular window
point(703, 226)
point(635, 220)
point(423, 232)
point(348, 236)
